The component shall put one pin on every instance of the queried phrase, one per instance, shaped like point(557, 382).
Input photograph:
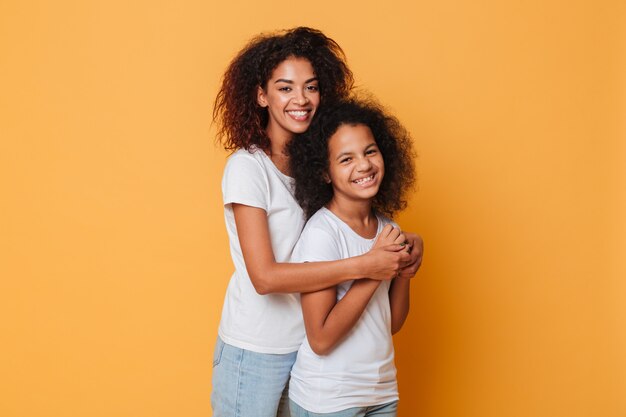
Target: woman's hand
point(388, 255)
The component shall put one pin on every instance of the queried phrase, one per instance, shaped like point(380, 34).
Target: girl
point(354, 167)
point(271, 91)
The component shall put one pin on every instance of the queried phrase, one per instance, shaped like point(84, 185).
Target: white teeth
point(362, 180)
point(299, 113)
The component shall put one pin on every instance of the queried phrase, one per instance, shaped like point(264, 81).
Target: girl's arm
point(399, 292)
point(326, 320)
point(269, 276)
point(399, 301)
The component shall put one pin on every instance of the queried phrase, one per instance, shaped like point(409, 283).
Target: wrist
point(403, 279)
point(359, 266)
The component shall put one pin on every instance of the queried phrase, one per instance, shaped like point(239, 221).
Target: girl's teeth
point(298, 113)
point(362, 180)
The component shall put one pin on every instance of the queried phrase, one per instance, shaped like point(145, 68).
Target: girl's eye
point(344, 160)
point(286, 89)
point(312, 88)
point(371, 152)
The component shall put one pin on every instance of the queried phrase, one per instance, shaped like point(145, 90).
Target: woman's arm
point(269, 276)
point(399, 301)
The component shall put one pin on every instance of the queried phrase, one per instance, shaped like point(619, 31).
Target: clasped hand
point(399, 253)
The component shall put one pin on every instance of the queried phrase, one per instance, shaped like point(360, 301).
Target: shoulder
point(384, 221)
point(245, 180)
point(245, 161)
point(318, 241)
point(322, 221)
point(245, 156)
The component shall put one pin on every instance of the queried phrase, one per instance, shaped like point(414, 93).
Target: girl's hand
point(389, 236)
point(416, 246)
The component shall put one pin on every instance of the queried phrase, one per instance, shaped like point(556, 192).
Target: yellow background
point(113, 253)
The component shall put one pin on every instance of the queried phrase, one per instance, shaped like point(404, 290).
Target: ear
point(326, 178)
point(261, 99)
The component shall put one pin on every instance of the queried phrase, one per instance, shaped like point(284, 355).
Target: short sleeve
point(245, 182)
point(316, 245)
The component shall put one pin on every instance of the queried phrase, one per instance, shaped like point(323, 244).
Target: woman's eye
point(312, 88)
point(287, 89)
point(371, 152)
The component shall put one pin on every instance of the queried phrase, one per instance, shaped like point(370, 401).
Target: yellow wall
point(113, 253)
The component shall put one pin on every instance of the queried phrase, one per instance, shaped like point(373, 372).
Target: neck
point(279, 138)
point(276, 151)
point(357, 214)
point(277, 148)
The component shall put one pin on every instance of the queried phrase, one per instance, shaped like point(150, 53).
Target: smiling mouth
point(365, 181)
point(299, 115)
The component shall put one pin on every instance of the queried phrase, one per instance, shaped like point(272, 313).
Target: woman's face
point(355, 165)
point(291, 97)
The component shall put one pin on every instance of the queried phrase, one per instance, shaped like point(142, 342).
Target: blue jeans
point(249, 384)
point(382, 410)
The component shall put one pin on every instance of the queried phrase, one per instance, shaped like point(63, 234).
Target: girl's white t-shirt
point(360, 370)
point(261, 323)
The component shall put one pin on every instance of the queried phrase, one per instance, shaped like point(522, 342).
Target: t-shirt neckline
point(345, 226)
point(271, 164)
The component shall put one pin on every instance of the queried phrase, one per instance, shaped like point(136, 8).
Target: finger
point(386, 231)
point(401, 239)
point(416, 241)
point(415, 256)
point(394, 247)
point(394, 233)
point(405, 258)
point(411, 269)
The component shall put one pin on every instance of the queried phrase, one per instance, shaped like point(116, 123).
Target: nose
point(364, 164)
point(301, 98)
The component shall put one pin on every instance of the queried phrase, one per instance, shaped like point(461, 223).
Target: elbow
point(320, 347)
point(261, 284)
point(395, 327)
point(262, 290)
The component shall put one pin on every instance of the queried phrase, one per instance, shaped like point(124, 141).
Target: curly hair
point(240, 119)
point(309, 164)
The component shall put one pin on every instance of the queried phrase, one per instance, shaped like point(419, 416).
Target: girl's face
point(355, 164)
point(291, 97)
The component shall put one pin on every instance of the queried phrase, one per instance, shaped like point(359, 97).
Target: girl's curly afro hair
point(240, 119)
point(308, 154)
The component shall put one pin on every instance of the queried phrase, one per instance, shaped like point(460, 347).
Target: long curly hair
point(308, 155)
point(241, 121)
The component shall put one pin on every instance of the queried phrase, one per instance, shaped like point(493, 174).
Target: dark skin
point(269, 276)
point(356, 169)
point(327, 321)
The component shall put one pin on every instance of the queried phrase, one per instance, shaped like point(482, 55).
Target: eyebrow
point(283, 80)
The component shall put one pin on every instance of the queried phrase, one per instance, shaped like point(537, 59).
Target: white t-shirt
point(261, 323)
point(359, 371)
